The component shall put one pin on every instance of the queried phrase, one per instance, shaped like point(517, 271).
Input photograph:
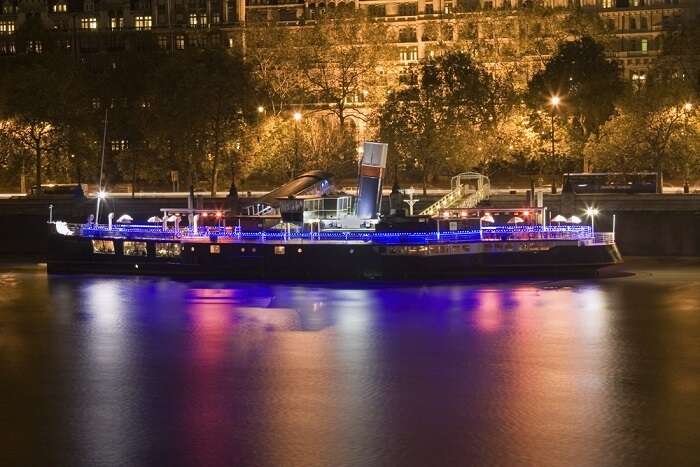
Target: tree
point(586, 81)
point(42, 98)
point(272, 53)
point(649, 132)
point(439, 121)
point(339, 59)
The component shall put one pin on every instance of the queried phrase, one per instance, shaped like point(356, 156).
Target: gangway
point(468, 189)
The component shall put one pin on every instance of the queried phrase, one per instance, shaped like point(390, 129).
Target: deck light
point(218, 214)
point(102, 194)
point(592, 213)
point(261, 109)
point(297, 116)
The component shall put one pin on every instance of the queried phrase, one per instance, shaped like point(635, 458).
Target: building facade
point(85, 27)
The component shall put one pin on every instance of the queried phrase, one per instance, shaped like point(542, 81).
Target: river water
point(150, 371)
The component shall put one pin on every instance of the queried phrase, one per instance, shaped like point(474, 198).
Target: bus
point(610, 182)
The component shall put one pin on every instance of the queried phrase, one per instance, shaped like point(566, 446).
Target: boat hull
point(325, 261)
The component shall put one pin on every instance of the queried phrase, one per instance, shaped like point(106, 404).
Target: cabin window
point(168, 250)
point(279, 250)
point(135, 248)
point(214, 249)
point(103, 247)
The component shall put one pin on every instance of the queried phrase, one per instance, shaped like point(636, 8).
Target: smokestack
point(369, 183)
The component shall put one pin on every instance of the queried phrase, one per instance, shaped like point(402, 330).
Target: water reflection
point(109, 371)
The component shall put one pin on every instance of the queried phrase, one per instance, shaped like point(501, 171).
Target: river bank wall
point(646, 225)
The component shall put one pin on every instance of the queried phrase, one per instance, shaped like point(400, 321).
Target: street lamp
point(297, 119)
point(687, 107)
point(554, 102)
point(261, 109)
point(592, 213)
point(101, 195)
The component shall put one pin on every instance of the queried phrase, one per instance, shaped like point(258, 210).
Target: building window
point(7, 27)
point(119, 145)
point(409, 54)
point(163, 42)
point(60, 8)
point(135, 248)
point(643, 23)
point(644, 46)
point(279, 249)
point(168, 250)
point(89, 5)
point(89, 23)
point(143, 23)
point(198, 20)
point(34, 47)
point(214, 249)
point(429, 9)
point(8, 8)
point(638, 80)
point(103, 247)
point(407, 35)
point(7, 48)
point(633, 24)
point(116, 23)
point(608, 3)
point(408, 9)
point(180, 42)
point(377, 11)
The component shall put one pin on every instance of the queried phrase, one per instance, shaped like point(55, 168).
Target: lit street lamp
point(592, 213)
point(297, 119)
point(554, 102)
point(687, 107)
point(261, 109)
point(101, 195)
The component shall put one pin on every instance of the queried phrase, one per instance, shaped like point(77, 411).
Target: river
point(99, 370)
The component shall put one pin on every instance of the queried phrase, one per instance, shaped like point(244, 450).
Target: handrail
point(461, 193)
point(491, 234)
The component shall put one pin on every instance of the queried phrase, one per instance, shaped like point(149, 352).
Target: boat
point(335, 236)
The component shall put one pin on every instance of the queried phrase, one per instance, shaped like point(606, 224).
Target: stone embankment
point(646, 225)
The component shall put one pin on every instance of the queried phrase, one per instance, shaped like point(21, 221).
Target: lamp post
point(592, 213)
point(687, 107)
point(554, 102)
point(101, 195)
point(297, 119)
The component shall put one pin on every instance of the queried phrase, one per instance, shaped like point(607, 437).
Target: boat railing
point(602, 238)
point(582, 234)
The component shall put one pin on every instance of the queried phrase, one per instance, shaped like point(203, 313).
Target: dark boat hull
point(325, 261)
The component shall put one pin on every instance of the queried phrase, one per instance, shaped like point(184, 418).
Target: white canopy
point(488, 218)
point(125, 219)
point(515, 220)
point(172, 218)
point(154, 219)
point(575, 220)
point(559, 218)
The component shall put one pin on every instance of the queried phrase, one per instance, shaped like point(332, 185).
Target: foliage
point(650, 132)
point(439, 121)
point(586, 82)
